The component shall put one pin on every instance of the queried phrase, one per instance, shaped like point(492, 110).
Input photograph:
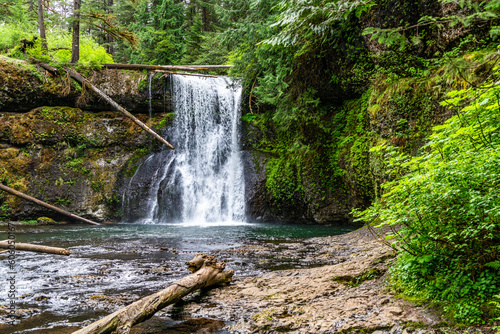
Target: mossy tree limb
point(206, 272)
point(189, 68)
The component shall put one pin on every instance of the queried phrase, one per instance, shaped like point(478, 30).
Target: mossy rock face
point(131, 90)
point(354, 281)
point(26, 86)
point(51, 126)
point(75, 160)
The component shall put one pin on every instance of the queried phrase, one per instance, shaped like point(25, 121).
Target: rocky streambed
point(334, 284)
point(348, 294)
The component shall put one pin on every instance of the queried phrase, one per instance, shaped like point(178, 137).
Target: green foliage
point(354, 145)
point(318, 153)
point(158, 28)
point(209, 50)
point(194, 37)
point(446, 204)
point(473, 13)
point(496, 303)
point(76, 165)
point(301, 60)
point(31, 222)
point(12, 33)
point(302, 19)
point(4, 209)
point(91, 54)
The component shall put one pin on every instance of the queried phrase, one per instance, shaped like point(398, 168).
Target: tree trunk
point(41, 26)
point(109, 38)
point(84, 81)
point(34, 248)
point(75, 49)
point(188, 74)
point(204, 17)
point(189, 68)
point(48, 206)
point(206, 272)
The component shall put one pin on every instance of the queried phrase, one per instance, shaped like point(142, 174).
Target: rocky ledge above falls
point(24, 86)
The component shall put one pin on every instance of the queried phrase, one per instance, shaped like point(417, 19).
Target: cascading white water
point(150, 100)
point(201, 182)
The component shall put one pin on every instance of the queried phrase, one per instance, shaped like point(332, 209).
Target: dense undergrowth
point(59, 53)
point(444, 208)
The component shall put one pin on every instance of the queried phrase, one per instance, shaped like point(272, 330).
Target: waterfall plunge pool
point(133, 260)
point(201, 185)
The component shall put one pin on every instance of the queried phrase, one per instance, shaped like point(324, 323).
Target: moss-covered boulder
point(45, 221)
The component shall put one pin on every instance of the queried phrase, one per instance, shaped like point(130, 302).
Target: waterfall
point(201, 181)
point(150, 100)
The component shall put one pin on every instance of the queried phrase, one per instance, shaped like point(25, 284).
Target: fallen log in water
point(188, 68)
point(206, 272)
point(118, 107)
point(48, 206)
point(34, 248)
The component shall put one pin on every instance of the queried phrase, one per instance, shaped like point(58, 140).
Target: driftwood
point(188, 68)
point(48, 206)
point(34, 248)
point(84, 81)
point(206, 272)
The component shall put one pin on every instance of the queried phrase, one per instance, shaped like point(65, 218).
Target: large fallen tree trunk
point(48, 206)
point(34, 248)
point(118, 107)
point(206, 272)
point(189, 68)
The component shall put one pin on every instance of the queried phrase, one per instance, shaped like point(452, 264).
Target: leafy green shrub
point(444, 208)
point(16, 25)
point(12, 34)
point(91, 53)
point(59, 42)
